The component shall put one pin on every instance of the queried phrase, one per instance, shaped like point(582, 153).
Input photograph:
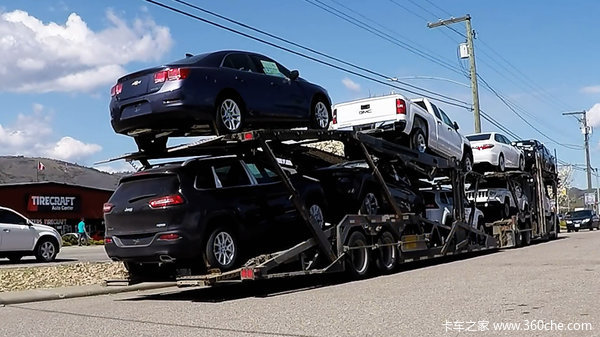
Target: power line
point(568, 146)
point(358, 23)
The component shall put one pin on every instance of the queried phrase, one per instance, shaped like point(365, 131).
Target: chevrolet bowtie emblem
point(136, 82)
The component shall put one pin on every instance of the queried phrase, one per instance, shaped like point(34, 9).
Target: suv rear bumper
point(157, 250)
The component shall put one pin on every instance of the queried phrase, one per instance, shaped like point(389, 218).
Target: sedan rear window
point(483, 136)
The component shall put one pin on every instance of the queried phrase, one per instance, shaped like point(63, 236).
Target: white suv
point(20, 237)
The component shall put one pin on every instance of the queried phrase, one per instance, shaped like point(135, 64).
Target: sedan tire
point(229, 116)
point(501, 163)
point(320, 115)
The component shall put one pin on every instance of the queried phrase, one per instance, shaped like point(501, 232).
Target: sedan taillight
point(173, 74)
point(484, 147)
point(116, 89)
point(169, 200)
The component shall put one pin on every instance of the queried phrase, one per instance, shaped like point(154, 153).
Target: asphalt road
point(70, 254)
point(555, 282)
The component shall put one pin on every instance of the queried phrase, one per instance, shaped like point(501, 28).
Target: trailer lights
point(247, 274)
point(248, 136)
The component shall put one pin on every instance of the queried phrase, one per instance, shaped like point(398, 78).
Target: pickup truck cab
point(419, 123)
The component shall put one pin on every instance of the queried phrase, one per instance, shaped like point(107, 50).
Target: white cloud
point(351, 85)
point(594, 89)
point(68, 148)
point(44, 57)
point(32, 135)
point(593, 115)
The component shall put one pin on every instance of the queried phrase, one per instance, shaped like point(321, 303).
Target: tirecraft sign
point(53, 203)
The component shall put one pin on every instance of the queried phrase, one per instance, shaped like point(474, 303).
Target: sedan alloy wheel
point(321, 115)
point(230, 115)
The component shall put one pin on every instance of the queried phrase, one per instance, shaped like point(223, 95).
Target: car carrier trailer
point(357, 240)
point(538, 221)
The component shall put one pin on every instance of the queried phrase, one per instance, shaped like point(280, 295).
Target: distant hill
point(21, 169)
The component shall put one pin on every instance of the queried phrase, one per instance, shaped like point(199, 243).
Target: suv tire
point(221, 250)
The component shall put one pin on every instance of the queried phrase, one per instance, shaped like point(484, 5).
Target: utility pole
point(586, 137)
point(474, 88)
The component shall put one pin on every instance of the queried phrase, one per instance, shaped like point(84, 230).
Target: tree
point(565, 179)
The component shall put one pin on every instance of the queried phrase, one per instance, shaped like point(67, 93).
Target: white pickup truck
point(420, 124)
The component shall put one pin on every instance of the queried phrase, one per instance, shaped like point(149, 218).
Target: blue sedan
point(214, 93)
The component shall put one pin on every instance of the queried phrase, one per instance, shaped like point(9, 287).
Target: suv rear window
point(149, 185)
point(483, 136)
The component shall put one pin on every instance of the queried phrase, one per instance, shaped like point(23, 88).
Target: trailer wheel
point(387, 256)
point(221, 249)
point(357, 261)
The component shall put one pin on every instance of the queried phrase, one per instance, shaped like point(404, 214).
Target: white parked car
point(439, 206)
point(20, 237)
point(495, 149)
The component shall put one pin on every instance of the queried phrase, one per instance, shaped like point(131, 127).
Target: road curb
point(38, 295)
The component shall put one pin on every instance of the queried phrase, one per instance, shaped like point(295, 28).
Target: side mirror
point(294, 74)
point(456, 126)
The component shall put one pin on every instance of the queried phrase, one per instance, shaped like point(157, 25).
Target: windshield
point(580, 214)
point(474, 138)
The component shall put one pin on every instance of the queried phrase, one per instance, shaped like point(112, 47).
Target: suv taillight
point(116, 89)
point(171, 75)
point(107, 207)
point(334, 116)
point(169, 200)
point(400, 107)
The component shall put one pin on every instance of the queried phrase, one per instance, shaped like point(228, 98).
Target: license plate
point(577, 225)
point(136, 110)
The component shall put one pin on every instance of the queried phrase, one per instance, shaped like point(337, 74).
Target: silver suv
point(20, 237)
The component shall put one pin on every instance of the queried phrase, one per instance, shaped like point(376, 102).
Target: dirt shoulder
point(61, 275)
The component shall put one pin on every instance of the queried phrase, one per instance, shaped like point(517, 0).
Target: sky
point(59, 59)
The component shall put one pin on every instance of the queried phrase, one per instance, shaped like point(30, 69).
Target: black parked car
point(530, 148)
point(219, 92)
point(205, 213)
point(351, 188)
point(583, 219)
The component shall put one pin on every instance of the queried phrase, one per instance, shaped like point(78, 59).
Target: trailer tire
point(387, 256)
point(357, 260)
point(221, 250)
